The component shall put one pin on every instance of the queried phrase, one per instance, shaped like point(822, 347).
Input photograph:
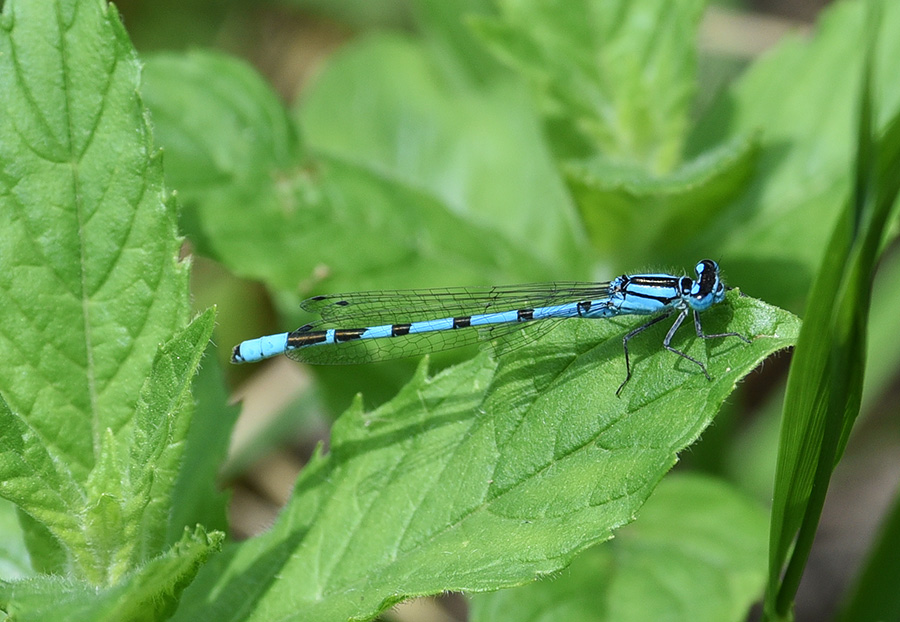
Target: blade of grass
point(825, 383)
point(874, 595)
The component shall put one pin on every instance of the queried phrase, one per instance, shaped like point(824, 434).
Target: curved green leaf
point(490, 473)
point(92, 286)
point(89, 271)
point(696, 552)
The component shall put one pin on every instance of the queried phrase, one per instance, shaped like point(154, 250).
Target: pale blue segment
point(641, 306)
point(666, 295)
point(329, 336)
point(501, 317)
point(427, 326)
point(260, 348)
point(561, 311)
point(645, 299)
point(375, 332)
point(704, 303)
point(601, 309)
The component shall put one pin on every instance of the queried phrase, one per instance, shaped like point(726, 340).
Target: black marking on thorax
point(653, 281)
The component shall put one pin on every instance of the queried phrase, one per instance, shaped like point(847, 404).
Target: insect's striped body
point(373, 326)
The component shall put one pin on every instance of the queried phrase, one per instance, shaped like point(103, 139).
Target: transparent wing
point(366, 309)
point(511, 336)
point(412, 305)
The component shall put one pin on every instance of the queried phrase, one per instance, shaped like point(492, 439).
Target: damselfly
point(375, 326)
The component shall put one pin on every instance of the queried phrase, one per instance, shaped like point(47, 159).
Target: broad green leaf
point(265, 208)
point(488, 474)
point(228, 142)
point(801, 98)
point(696, 552)
point(616, 77)
point(88, 254)
point(149, 594)
point(632, 214)
point(383, 102)
point(92, 285)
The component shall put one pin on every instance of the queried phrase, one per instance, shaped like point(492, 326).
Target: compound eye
point(707, 265)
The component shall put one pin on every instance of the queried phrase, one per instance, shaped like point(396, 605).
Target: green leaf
point(92, 285)
point(161, 426)
point(250, 189)
point(456, 50)
point(150, 594)
point(228, 142)
point(196, 498)
point(84, 215)
point(825, 383)
point(29, 477)
point(488, 474)
point(632, 214)
point(118, 517)
point(883, 355)
point(696, 552)
point(382, 102)
point(618, 75)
